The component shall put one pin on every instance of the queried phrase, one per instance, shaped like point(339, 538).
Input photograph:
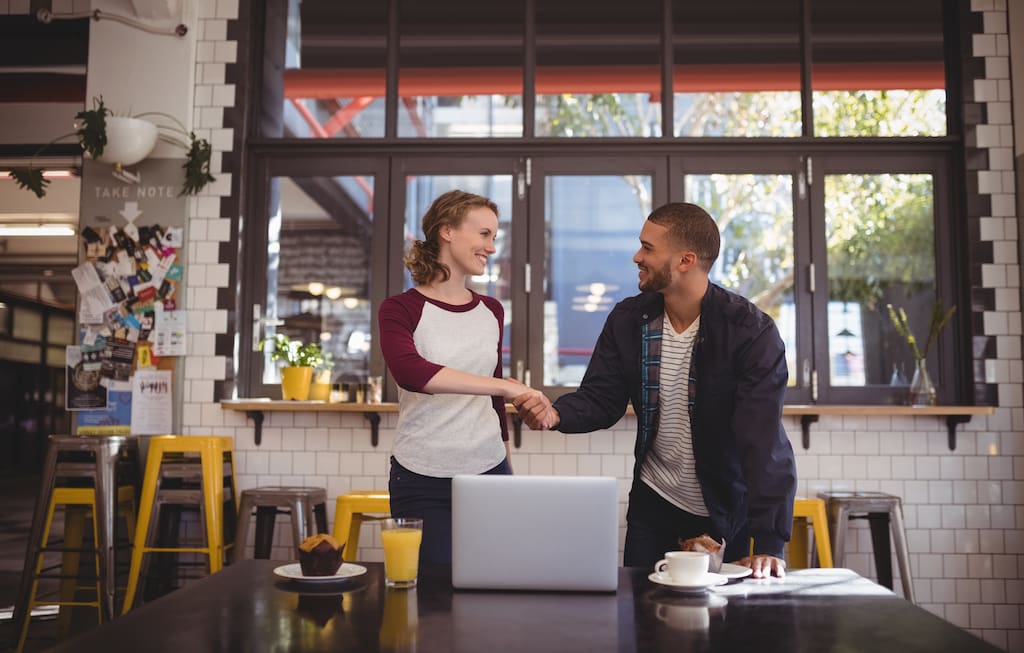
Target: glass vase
point(922, 390)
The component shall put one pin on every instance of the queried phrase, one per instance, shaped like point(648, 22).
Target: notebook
point(535, 533)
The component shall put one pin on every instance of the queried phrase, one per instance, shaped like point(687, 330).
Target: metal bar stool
point(882, 512)
point(101, 464)
point(182, 457)
point(813, 510)
point(352, 510)
point(306, 505)
point(79, 505)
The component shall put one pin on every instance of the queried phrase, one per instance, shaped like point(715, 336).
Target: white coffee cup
point(685, 567)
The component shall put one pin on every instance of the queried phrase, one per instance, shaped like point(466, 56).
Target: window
point(737, 77)
point(876, 77)
point(598, 68)
point(827, 163)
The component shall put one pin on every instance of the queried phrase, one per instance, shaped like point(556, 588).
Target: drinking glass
point(401, 537)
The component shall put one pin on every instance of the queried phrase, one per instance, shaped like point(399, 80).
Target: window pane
point(333, 55)
point(736, 77)
point(593, 226)
point(880, 237)
point(61, 330)
point(19, 352)
point(755, 215)
point(28, 323)
point(318, 281)
point(598, 68)
point(876, 77)
point(460, 78)
point(496, 281)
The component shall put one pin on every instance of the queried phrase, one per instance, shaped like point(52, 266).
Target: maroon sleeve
point(499, 402)
point(397, 320)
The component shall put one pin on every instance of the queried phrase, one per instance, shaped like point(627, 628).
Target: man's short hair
point(690, 227)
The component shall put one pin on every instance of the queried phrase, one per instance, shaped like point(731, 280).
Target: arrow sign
point(130, 212)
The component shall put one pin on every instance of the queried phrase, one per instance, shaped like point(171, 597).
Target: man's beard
point(657, 280)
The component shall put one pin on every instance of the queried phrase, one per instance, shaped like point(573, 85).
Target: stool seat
point(194, 465)
point(306, 505)
point(883, 511)
point(351, 511)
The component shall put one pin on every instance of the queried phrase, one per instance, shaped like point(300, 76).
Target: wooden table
point(247, 608)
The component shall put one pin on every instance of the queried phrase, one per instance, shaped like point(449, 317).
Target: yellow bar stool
point(813, 510)
point(79, 505)
point(352, 510)
point(200, 456)
point(98, 463)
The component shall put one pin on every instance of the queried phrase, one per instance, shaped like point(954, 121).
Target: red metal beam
point(346, 114)
point(325, 83)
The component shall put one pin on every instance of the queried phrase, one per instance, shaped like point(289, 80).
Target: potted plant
point(320, 388)
point(126, 140)
point(299, 360)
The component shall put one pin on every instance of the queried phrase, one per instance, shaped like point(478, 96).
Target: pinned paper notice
point(151, 402)
point(95, 298)
point(170, 333)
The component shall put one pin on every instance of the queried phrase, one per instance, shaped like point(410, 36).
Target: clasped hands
point(535, 409)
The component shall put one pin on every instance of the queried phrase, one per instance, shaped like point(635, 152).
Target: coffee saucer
point(709, 580)
point(294, 572)
point(732, 571)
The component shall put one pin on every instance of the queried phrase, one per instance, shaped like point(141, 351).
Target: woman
point(442, 343)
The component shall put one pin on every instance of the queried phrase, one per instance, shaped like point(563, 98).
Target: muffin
point(706, 544)
point(320, 555)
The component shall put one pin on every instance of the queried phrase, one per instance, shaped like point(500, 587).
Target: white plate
point(731, 571)
point(709, 580)
point(294, 572)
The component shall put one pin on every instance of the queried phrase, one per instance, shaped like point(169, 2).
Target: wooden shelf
point(808, 414)
point(254, 408)
point(954, 415)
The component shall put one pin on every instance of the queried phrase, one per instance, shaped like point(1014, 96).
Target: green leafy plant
point(293, 352)
point(940, 316)
point(91, 132)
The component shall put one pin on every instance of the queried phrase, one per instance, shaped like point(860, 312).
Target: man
point(705, 371)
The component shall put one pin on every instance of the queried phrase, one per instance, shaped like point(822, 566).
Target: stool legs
point(40, 520)
point(320, 517)
point(106, 486)
point(149, 481)
point(822, 541)
point(879, 523)
point(306, 508)
point(265, 518)
point(301, 513)
point(798, 554)
point(899, 538)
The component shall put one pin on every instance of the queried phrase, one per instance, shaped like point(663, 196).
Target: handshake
point(534, 408)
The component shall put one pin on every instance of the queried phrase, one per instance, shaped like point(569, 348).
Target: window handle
point(258, 322)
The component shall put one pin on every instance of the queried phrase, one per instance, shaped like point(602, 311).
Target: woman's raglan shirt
point(446, 434)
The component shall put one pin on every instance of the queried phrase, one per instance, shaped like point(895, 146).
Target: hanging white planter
point(129, 140)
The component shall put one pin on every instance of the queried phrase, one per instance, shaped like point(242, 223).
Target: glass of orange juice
point(401, 537)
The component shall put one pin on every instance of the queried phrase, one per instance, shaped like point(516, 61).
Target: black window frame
point(681, 155)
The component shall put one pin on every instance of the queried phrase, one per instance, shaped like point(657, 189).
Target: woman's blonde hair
point(448, 209)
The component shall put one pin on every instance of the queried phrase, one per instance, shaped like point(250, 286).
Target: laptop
point(558, 533)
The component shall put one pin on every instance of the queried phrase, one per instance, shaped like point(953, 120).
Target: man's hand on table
point(764, 566)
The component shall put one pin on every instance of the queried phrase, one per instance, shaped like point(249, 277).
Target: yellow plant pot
point(295, 382)
point(320, 388)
